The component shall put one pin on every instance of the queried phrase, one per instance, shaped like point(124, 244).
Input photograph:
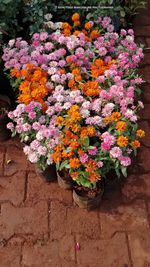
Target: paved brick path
point(40, 225)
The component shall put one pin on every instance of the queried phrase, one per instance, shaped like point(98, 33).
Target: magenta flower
point(84, 158)
point(93, 151)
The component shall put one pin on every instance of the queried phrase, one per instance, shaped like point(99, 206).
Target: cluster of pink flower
point(35, 127)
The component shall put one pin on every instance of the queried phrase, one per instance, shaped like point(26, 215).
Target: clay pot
point(64, 182)
point(85, 202)
point(49, 175)
point(4, 132)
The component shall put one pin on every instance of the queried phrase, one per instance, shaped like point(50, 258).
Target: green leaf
point(87, 184)
point(86, 142)
point(117, 172)
point(63, 164)
point(67, 166)
point(124, 171)
point(7, 1)
point(122, 13)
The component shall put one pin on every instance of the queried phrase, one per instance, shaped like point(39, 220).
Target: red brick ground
point(40, 225)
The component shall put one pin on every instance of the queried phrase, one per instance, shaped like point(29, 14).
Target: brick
point(146, 127)
point(136, 186)
point(140, 248)
point(67, 248)
point(12, 188)
point(64, 263)
point(2, 151)
point(145, 71)
point(143, 158)
point(146, 59)
point(39, 189)
point(142, 30)
point(41, 255)
point(18, 160)
point(23, 220)
point(123, 217)
point(135, 168)
point(13, 142)
point(105, 253)
point(148, 41)
point(146, 93)
point(10, 256)
point(143, 18)
point(81, 222)
point(58, 216)
point(145, 113)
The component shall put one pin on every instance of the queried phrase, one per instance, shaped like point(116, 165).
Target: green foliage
point(21, 17)
point(34, 12)
point(9, 22)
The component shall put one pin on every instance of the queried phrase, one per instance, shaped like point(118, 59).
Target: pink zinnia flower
point(100, 164)
point(93, 151)
point(10, 126)
point(125, 161)
point(84, 158)
point(105, 146)
point(116, 152)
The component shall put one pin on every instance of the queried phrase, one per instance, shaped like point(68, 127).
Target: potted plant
point(98, 113)
point(90, 120)
point(37, 132)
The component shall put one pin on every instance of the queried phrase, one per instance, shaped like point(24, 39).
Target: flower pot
point(4, 132)
point(4, 104)
point(85, 202)
point(64, 182)
point(49, 175)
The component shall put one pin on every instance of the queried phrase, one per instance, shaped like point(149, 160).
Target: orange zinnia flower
point(74, 163)
point(66, 141)
point(135, 144)
point(88, 25)
point(66, 25)
point(77, 23)
point(75, 17)
point(59, 120)
point(116, 116)
point(121, 126)
point(76, 33)
point(67, 32)
point(56, 156)
point(74, 144)
point(15, 73)
point(94, 177)
point(91, 88)
point(107, 119)
point(122, 141)
point(140, 133)
point(95, 34)
point(90, 131)
point(71, 83)
point(75, 128)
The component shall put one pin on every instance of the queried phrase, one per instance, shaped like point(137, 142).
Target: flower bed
point(78, 89)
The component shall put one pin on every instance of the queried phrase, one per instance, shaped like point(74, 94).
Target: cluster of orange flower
point(99, 67)
point(72, 150)
point(90, 34)
point(33, 85)
point(121, 127)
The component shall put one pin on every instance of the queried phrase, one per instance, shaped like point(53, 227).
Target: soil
point(87, 192)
